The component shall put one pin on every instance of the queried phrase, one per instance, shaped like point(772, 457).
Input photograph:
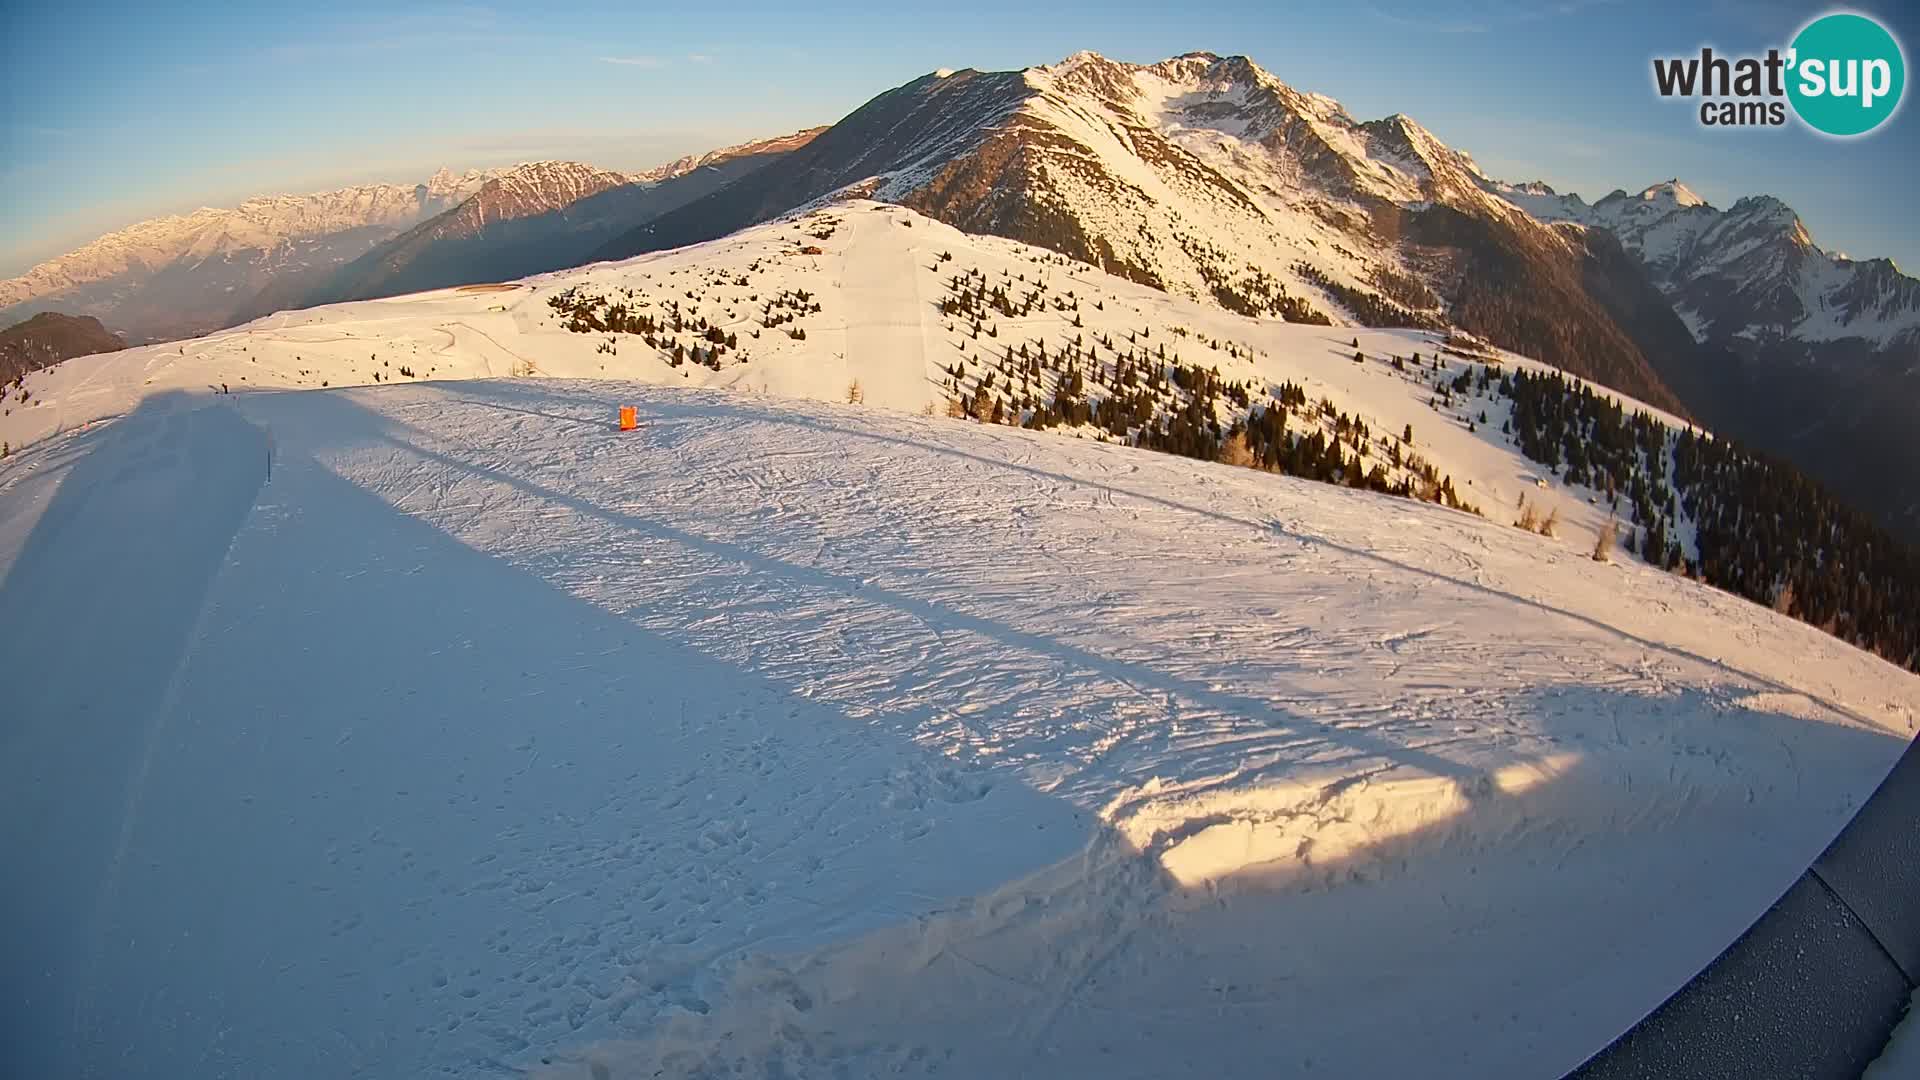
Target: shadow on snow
point(303, 784)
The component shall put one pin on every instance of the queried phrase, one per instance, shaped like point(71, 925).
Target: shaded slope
point(48, 338)
point(916, 126)
point(517, 226)
point(1800, 352)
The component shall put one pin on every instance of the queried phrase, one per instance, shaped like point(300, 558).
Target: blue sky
point(116, 112)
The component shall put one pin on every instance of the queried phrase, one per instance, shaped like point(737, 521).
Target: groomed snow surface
point(795, 739)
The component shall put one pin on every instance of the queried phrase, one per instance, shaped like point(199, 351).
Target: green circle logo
point(1847, 74)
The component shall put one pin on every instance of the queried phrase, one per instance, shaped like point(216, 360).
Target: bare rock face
point(541, 216)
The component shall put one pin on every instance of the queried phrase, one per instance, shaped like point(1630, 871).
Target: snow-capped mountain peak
point(535, 187)
point(1207, 102)
point(1672, 194)
point(1750, 276)
point(1086, 72)
point(688, 163)
point(526, 189)
point(447, 184)
point(1767, 210)
point(1200, 174)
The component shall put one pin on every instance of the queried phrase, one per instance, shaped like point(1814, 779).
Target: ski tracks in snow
point(1235, 709)
point(886, 332)
point(791, 736)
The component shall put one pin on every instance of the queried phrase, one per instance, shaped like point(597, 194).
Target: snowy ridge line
point(255, 222)
point(730, 313)
point(1782, 285)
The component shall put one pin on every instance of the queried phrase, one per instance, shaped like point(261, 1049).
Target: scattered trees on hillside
point(1759, 528)
point(1134, 390)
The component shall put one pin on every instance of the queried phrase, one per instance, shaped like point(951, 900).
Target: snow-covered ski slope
point(878, 278)
point(442, 729)
point(482, 734)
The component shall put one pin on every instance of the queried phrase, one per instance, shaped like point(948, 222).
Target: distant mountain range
point(1811, 355)
point(187, 274)
point(1749, 277)
point(543, 216)
point(1201, 175)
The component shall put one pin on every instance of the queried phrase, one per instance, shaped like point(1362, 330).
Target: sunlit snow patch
point(1287, 832)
